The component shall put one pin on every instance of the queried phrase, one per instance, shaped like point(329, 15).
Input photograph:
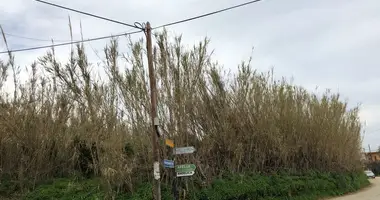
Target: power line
point(47, 40)
point(208, 14)
point(35, 39)
point(89, 14)
point(142, 28)
point(68, 43)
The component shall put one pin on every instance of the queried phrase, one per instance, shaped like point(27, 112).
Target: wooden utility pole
point(153, 99)
point(174, 186)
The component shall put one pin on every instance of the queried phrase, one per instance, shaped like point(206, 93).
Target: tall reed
point(64, 120)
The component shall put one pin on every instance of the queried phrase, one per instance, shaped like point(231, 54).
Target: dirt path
point(370, 193)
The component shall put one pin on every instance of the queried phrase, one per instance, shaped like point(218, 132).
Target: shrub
point(68, 189)
point(89, 189)
point(306, 187)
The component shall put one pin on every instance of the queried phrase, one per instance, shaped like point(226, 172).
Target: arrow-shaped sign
point(183, 150)
point(181, 174)
point(185, 168)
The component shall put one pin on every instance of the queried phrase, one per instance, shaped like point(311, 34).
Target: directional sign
point(168, 163)
point(169, 143)
point(183, 150)
point(185, 168)
point(181, 174)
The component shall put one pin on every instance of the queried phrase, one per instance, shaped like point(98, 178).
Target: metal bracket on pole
point(156, 123)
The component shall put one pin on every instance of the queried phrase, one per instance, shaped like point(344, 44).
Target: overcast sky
point(325, 44)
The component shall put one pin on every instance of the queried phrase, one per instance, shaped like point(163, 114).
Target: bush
point(308, 186)
point(88, 189)
point(145, 193)
point(68, 189)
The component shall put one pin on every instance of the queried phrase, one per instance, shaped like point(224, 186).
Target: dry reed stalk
point(67, 120)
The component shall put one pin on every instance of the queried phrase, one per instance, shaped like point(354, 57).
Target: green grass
point(309, 186)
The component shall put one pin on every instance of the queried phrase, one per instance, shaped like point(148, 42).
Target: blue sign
point(168, 164)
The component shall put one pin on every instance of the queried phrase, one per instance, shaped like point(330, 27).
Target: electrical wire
point(67, 43)
point(89, 14)
point(137, 25)
point(35, 39)
point(46, 40)
point(207, 14)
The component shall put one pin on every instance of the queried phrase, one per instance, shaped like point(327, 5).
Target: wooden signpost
point(179, 170)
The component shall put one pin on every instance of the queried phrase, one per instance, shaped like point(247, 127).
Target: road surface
point(370, 193)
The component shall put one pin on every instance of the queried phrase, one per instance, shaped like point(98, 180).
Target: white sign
point(183, 150)
point(156, 170)
point(181, 174)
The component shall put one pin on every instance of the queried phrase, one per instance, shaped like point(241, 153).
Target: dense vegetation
point(65, 120)
point(310, 186)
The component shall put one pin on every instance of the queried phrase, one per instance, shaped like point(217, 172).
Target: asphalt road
point(370, 193)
